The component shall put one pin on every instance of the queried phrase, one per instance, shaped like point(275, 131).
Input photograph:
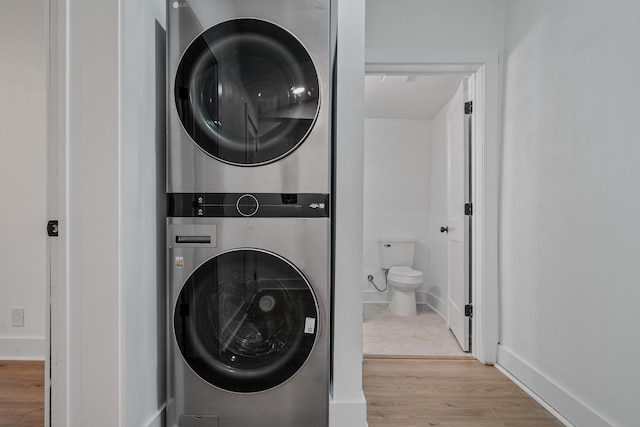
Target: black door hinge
point(468, 310)
point(52, 228)
point(468, 107)
point(468, 208)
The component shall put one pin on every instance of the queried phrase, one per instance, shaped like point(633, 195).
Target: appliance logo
point(179, 262)
point(178, 4)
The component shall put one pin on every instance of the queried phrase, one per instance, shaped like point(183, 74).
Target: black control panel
point(260, 205)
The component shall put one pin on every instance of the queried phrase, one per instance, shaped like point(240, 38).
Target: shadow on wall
point(160, 137)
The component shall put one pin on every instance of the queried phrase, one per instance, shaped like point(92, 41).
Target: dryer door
point(247, 92)
point(245, 320)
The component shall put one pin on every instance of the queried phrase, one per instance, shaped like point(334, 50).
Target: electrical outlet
point(17, 317)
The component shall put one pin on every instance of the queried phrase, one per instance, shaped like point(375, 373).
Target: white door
point(458, 226)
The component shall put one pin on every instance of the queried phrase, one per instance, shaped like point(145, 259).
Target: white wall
point(397, 160)
point(347, 407)
point(435, 24)
point(23, 174)
point(438, 276)
point(570, 193)
point(143, 212)
point(90, 286)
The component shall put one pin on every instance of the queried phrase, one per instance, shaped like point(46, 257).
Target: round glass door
point(247, 92)
point(246, 320)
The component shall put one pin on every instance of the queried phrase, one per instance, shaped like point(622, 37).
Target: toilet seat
point(405, 275)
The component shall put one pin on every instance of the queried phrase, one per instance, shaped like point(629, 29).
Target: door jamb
point(485, 163)
point(57, 376)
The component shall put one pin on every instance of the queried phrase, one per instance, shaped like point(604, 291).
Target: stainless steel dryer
point(249, 312)
point(249, 96)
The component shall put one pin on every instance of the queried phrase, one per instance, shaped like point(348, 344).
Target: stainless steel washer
point(249, 314)
point(249, 96)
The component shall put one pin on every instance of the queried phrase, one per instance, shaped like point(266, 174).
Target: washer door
point(247, 92)
point(245, 320)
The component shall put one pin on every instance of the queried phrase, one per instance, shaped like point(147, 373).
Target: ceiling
point(407, 96)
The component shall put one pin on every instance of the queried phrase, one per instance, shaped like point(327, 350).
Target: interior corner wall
point(435, 24)
point(143, 213)
point(570, 184)
point(23, 173)
point(397, 162)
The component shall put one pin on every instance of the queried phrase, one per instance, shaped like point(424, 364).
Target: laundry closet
point(249, 180)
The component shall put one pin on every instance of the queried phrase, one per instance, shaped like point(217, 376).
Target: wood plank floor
point(420, 392)
point(401, 392)
point(21, 393)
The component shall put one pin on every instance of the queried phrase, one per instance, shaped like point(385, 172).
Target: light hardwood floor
point(21, 394)
point(442, 391)
point(401, 392)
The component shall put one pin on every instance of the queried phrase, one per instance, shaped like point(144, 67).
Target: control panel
point(266, 205)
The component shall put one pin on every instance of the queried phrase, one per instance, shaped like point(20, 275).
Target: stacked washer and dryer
point(248, 227)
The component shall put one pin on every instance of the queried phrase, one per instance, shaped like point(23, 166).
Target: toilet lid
point(405, 275)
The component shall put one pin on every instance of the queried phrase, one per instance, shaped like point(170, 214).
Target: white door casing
point(458, 223)
point(485, 66)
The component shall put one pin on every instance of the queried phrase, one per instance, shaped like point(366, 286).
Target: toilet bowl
point(403, 282)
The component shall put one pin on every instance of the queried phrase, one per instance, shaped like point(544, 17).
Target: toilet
point(396, 258)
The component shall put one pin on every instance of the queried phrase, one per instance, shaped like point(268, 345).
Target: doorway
point(483, 65)
point(411, 121)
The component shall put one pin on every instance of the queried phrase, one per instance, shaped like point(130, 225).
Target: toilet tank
point(396, 252)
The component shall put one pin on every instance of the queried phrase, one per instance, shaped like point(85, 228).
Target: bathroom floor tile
point(427, 334)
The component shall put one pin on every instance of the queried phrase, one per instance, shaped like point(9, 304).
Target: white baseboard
point(12, 348)
point(560, 403)
point(437, 305)
point(534, 396)
point(348, 413)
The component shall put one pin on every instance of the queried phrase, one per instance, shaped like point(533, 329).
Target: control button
point(247, 205)
point(198, 199)
point(199, 211)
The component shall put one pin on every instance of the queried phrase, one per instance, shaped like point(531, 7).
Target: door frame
point(485, 64)
point(56, 368)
